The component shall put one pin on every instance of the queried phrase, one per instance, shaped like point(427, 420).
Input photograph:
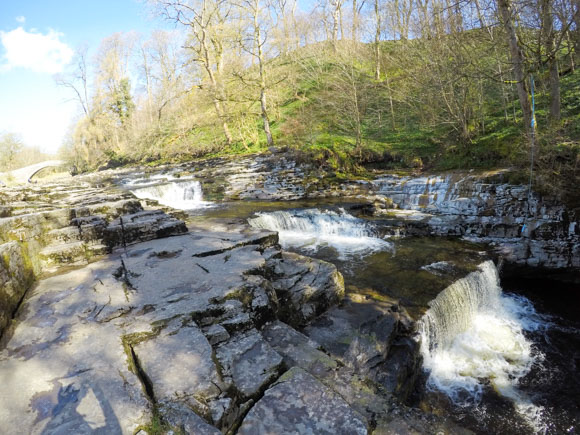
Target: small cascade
point(186, 195)
point(472, 334)
point(149, 180)
point(312, 229)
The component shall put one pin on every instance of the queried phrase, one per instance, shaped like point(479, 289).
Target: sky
point(38, 39)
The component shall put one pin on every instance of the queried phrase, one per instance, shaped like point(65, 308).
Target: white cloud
point(44, 53)
point(21, 19)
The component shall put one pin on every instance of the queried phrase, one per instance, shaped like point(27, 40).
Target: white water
point(472, 333)
point(150, 180)
point(185, 195)
point(312, 229)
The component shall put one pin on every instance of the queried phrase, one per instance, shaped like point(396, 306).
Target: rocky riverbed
point(525, 227)
point(117, 316)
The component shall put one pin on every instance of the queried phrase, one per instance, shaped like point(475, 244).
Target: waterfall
point(185, 195)
point(312, 229)
point(473, 333)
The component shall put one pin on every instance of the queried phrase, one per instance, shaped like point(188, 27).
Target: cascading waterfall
point(312, 228)
point(472, 333)
point(186, 195)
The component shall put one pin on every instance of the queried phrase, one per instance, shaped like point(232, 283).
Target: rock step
point(82, 230)
point(110, 209)
point(64, 235)
point(71, 253)
point(142, 226)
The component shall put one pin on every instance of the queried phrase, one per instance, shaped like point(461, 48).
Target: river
point(496, 360)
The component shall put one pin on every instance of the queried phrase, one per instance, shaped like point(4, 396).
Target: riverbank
point(122, 284)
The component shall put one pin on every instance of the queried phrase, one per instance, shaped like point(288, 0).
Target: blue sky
point(37, 40)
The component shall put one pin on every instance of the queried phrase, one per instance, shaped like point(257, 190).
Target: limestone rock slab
point(301, 404)
point(179, 366)
point(306, 287)
point(250, 361)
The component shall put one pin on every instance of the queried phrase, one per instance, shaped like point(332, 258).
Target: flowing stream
point(312, 229)
point(472, 334)
point(184, 195)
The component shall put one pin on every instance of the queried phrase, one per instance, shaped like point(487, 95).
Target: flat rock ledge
point(67, 225)
point(168, 330)
point(196, 334)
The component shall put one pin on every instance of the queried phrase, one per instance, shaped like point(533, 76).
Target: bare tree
point(517, 58)
point(206, 20)
point(257, 12)
point(77, 80)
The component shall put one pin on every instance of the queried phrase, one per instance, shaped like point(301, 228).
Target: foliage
point(435, 89)
point(14, 154)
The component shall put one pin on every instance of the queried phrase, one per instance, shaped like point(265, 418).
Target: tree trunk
point(354, 20)
point(391, 102)
point(570, 51)
point(517, 61)
point(263, 105)
point(547, 20)
point(576, 18)
point(335, 20)
point(377, 41)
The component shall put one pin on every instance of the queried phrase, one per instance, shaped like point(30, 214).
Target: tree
point(207, 22)
point(549, 42)
point(10, 145)
point(167, 81)
point(517, 59)
point(258, 14)
point(77, 79)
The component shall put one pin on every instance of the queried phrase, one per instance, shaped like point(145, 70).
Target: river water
point(496, 360)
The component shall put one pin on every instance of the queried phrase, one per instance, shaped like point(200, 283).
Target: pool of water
point(412, 270)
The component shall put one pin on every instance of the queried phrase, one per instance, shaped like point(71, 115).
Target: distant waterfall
point(312, 228)
point(473, 332)
point(185, 195)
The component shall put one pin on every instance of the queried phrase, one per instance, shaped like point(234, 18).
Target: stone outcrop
point(374, 338)
point(168, 327)
point(525, 227)
point(305, 287)
point(68, 227)
point(291, 404)
point(483, 206)
point(16, 276)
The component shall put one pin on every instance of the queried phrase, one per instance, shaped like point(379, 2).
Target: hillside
point(440, 96)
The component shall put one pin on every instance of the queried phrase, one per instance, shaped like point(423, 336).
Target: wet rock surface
point(217, 330)
point(525, 227)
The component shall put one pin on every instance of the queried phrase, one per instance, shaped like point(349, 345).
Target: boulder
point(306, 287)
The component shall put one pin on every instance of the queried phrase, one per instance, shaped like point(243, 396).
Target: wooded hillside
point(368, 83)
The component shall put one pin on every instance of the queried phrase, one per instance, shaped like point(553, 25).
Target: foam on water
point(312, 229)
point(150, 180)
point(472, 333)
point(185, 195)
